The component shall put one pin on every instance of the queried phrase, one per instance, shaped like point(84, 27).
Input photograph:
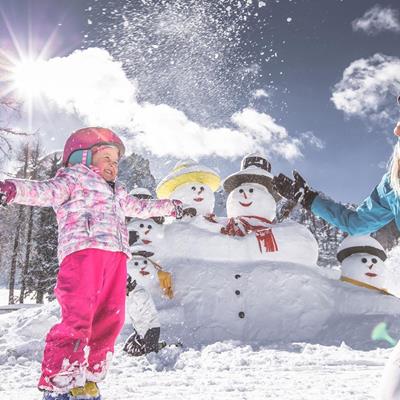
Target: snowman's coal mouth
point(144, 273)
point(245, 204)
point(198, 199)
point(371, 274)
point(145, 241)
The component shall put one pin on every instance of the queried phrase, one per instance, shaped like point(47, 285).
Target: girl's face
point(397, 129)
point(106, 160)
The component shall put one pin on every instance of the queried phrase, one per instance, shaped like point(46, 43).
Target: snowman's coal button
point(237, 276)
point(241, 314)
point(237, 292)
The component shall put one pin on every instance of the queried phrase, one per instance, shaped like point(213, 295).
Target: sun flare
point(27, 78)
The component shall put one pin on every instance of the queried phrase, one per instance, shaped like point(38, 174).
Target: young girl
point(92, 250)
point(381, 207)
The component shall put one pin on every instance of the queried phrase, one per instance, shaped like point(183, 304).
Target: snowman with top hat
point(194, 185)
point(362, 261)
point(251, 202)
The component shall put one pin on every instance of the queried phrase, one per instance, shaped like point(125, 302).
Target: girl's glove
point(189, 212)
point(181, 212)
point(7, 192)
point(295, 190)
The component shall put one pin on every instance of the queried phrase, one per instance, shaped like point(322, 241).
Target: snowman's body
point(139, 304)
point(192, 241)
point(263, 302)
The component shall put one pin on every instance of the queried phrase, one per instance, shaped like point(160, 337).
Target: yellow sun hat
point(187, 171)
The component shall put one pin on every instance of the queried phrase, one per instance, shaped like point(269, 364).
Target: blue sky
point(251, 68)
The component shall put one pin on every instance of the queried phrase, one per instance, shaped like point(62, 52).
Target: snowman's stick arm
point(157, 266)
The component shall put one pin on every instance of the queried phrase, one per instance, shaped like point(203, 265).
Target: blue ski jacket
point(377, 210)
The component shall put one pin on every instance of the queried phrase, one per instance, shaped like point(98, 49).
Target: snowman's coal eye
point(193, 188)
point(251, 190)
point(145, 262)
point(136, 263)
point(241, 190)
point(374, 260)
point(149, 226)
point(201, 187)
point(364, 260)
point(141, 225)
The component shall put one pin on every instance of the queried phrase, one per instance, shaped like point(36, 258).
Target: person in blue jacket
point(377, 210)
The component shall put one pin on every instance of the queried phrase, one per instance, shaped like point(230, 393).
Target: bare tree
point(9, 111)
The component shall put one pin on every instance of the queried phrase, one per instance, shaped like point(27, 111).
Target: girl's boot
point(88, 392)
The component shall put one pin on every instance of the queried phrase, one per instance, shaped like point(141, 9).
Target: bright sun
point(27, 78)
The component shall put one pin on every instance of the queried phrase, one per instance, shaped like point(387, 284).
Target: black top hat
point(254, 169)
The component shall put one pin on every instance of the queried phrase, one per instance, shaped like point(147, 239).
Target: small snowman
point(251, 202)
point(144, 275)
point(362, 261)
point(193, 184)
point(144, 232)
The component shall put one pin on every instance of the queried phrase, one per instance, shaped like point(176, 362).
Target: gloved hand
point(295, 190)
point(165, 279)
point(189, 212)
point(137, 346)
point(7, 192)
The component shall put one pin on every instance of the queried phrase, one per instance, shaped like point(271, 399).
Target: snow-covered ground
point(224, 370)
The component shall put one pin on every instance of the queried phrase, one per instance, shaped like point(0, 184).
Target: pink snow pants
point(91, 290)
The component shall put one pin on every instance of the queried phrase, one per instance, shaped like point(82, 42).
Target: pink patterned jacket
point(89, 213)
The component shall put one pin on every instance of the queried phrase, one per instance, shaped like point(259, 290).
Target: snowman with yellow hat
point(193, 184)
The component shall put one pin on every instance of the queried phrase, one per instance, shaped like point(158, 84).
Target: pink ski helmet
point(78, 146)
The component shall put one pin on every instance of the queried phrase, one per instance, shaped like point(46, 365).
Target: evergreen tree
point(43, 267)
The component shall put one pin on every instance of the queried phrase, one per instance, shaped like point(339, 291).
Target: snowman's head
point(197, 195)
point(251, 199)
point(141, 270)
point(365, 268)
point(143, 232)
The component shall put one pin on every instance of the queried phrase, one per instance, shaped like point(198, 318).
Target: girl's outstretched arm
point(48, 193)
point(372, 214)
point(144, 208)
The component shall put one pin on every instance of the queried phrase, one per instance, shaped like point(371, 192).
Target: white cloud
point(314, 141)
point(378, 19)
point(369, 88)
point(90, 84)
